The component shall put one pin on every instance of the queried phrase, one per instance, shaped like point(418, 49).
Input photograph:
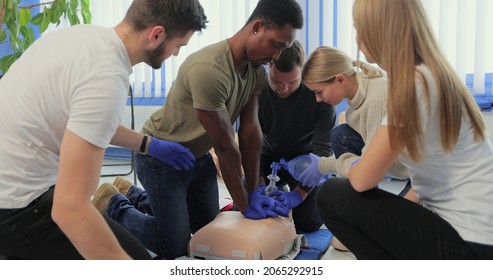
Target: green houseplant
point(17, 22)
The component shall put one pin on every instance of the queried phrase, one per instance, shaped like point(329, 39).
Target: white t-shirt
point(458, 186)
point(75, 79)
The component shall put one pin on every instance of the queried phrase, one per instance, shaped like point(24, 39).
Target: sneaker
point(122, 184)
point(102, 197)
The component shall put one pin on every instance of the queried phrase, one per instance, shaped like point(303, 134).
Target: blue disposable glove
point(171, 153)
point(288, 199)
point(253, 214)
point(278, 209)
point(258, 201)
point(262, 206)
point(262, 188)
point(311, 176)
point(275, 210)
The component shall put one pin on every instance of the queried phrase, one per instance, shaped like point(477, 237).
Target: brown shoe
point(102, 196)
point(122, 184)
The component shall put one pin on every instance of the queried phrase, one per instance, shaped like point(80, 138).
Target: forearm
point(250, 144)
point(301, 191)
point(78, 176)
point(129, 139)
point(229, 162)
point(339, 166)
point(89, 233)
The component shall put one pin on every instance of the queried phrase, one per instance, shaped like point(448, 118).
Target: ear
point(341, 79)
point(157, 34)
point(257, 26)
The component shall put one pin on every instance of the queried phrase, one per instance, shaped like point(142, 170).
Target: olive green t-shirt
point(207, 80)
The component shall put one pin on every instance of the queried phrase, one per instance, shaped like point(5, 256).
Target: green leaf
point(37, 19)
point(86, 16)
point(24, 16)
point(13, 28)
point(74, 4)
point(73, 18)
point(86, 4)
point(6, 62)
point(8, 14)
point(44, 23)
point(28, 34)
point(16, 44)
point(57, 8)
point(3, 35)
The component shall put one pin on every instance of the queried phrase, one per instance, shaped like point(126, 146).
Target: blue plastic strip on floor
point(318, 243)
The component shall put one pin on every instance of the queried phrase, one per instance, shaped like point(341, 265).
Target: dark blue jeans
point(344, 139)
point(181, 202)
point(30, 233)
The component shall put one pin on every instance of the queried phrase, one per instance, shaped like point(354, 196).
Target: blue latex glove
point(171, 153)
point(253, 214)
point(275, 210)
point(262, 206)
point(262, 188)
point(279, 209)
point(258, 201)
point(289, 199)
point(311, 176)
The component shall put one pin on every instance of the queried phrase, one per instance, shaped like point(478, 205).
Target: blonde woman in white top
point(435, 127)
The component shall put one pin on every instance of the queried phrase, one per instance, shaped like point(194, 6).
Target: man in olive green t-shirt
point(214, 87)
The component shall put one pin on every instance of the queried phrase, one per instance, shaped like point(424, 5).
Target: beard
point(154, 57)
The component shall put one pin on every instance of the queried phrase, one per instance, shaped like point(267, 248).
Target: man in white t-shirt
point(61, 106)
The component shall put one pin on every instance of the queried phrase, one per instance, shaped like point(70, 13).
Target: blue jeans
point(31, 233)
point(181, 202)
point(344, 139)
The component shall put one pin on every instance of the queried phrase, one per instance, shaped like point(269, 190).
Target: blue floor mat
point(318, 243)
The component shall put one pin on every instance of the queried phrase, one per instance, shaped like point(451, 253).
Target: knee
point(308, 224)
point(330, 192)
point(339, 131)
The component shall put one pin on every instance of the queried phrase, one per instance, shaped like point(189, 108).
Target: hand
point(262, 188)
point(288, 199)
point(258, 201)
point(253, 214)
point(279, 209)
point(276, 209)
point(311, 176)
point(171, 153)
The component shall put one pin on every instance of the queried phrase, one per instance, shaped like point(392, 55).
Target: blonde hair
point(324, 63)
point(397, 34)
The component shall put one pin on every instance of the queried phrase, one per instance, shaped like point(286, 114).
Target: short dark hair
point(177, 16)
point(290, 57)
point(278, 13)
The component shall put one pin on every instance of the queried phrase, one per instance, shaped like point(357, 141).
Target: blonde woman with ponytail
point(335, 76)
point(434, 127)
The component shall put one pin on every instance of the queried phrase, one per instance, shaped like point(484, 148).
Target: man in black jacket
point(293, 123)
